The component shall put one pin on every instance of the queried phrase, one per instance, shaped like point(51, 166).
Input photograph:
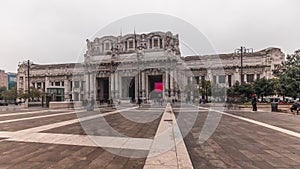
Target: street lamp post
point(138, 87)
point(169, 79)
point(243, 50)
point(28, 79)
point(139, 53)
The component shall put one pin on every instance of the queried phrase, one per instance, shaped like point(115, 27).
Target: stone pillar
point(42, 85)
point(166, 85)
point(66, 88)
point(117, 85)
point(112, 81)
point(47, 83)
point(80, 91)
point(175, 79)
point(86, 92)
point(172, 75)
point(94, 85)
point(143, 84)
point(146, 86)
point(237, 76)
point(73, 96)
point(192, 94)
point(136, 86)
point(120, 85)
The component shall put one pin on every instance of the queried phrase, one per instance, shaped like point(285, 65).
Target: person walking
point(254, 102)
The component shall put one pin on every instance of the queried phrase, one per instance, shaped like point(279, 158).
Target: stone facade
point(3, 79)
point(111, 65)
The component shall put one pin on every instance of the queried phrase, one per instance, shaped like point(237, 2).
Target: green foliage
point(218, 91)
point(10, 94)
point(264, 87)
point(2, 89)
point(34, 93)
point(22, 94)
point(205, 88)
point(288, 75)
point(243, 91)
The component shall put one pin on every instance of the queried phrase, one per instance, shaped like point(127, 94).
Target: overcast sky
point(54, 31)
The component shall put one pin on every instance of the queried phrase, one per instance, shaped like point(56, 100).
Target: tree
point(218, 91)
point(233, 91)
point(2, 89)
point(22, 94)
point(242, 91)
point(264, 87)
point(10, 94)
point(35, 93)
point(289, 76)
point(190, 88)
point(205, 89)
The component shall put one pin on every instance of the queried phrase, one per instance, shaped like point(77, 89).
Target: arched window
point(156, 42)
point(130, 44)
point(107, 45)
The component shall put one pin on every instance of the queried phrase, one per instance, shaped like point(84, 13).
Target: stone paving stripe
point(31, 112)
point(84, 140)
point(282, 130)
point(6, 134)
point(168, 149)
point(64, 123)
point(35, 117)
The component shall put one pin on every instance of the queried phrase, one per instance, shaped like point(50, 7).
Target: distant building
point(3, 79)
point(111, 64)
point(12, 80)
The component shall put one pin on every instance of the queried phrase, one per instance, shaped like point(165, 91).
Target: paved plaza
point(127, 137)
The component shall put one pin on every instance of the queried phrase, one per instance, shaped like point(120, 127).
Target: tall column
point(146, 86)
point(192, 94)
point(136, 86)
point(66, 88)
point(236, 76)
point(94, 85)
point(172, 83)
point(112, 81)
point(120, 85)
point(42, 85)
point(175, 75)
point(143, 84)
point(73, 95)
point(166, 84)
point(117, 84)
point(85, 89)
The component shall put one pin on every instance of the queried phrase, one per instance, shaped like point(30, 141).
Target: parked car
point(3, 104)
point(295, 107)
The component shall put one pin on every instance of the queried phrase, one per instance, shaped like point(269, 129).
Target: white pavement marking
point(35, 117)
point(85, 140)
point(282, 130)
point(30, 112)
point(68, 122)
point(32, 135)
point(168, 149)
